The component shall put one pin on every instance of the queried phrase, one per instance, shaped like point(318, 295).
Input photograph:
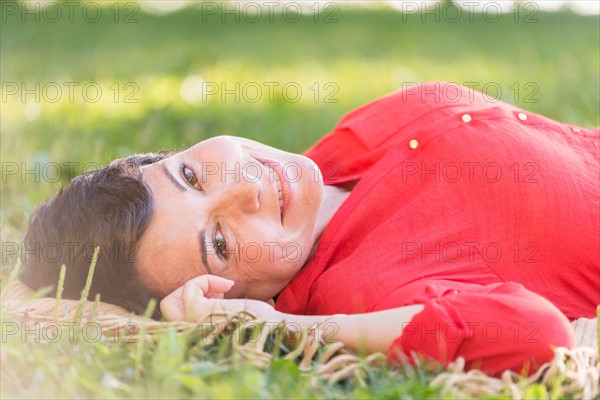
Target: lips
point(281, 186)
point(277, 186)
point(279, 190)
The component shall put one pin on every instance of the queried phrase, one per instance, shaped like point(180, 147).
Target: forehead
point(168, 252)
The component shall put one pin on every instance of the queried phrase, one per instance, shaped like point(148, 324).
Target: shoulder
point(415, 104)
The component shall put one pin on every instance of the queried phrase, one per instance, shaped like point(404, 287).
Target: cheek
point(291, 254)
point(281, 261)
point(272, 260)
point(311, 189)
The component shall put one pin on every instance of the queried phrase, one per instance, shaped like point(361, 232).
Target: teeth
point(279, 189)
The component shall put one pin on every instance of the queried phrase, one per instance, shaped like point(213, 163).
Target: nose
point(240, 191)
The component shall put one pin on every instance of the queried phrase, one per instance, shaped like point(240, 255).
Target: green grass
point(365, 54)
point(176, 366)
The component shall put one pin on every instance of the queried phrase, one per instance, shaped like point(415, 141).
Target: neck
point(333, 197)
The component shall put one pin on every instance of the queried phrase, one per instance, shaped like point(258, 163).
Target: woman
point(441, 223)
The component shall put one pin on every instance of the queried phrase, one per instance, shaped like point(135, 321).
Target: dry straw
point(579, 368)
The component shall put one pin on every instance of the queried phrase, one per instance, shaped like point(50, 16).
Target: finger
point(271, 302)
point(204, 285)
point(217, 284)
point(193, 294)
point(211, 283)
point(218, 296)
point(196, 290)
point(171, 306)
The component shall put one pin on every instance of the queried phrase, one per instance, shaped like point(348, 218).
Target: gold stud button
point(466, 118)
point(413, 143)
point(576, 130)
point(522, 116)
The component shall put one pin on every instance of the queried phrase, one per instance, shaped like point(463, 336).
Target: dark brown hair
point(111, 208)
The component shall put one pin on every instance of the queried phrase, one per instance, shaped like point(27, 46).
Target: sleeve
point(493, 327)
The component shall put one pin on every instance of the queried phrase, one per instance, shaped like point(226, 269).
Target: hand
point(203, 295)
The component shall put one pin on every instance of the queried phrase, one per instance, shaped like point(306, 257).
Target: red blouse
point(485, 213)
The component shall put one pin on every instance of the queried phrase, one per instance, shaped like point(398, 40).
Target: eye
point(189, 176)
point(220, 244)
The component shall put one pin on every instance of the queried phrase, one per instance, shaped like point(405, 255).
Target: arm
point(493, 327)
point(372, 332)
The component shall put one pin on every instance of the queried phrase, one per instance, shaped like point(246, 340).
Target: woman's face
point(218, 209)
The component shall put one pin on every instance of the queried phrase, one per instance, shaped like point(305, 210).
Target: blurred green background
point(150, 69)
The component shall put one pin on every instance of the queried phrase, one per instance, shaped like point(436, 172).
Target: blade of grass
point(14, 273)
point(88, 284)
point(139, 350)
point(59, 289)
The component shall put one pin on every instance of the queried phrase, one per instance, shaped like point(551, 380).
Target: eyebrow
point(202, 239)
point(172, 178)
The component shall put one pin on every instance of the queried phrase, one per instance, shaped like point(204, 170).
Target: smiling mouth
point(277, 185)
point(279, 189)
